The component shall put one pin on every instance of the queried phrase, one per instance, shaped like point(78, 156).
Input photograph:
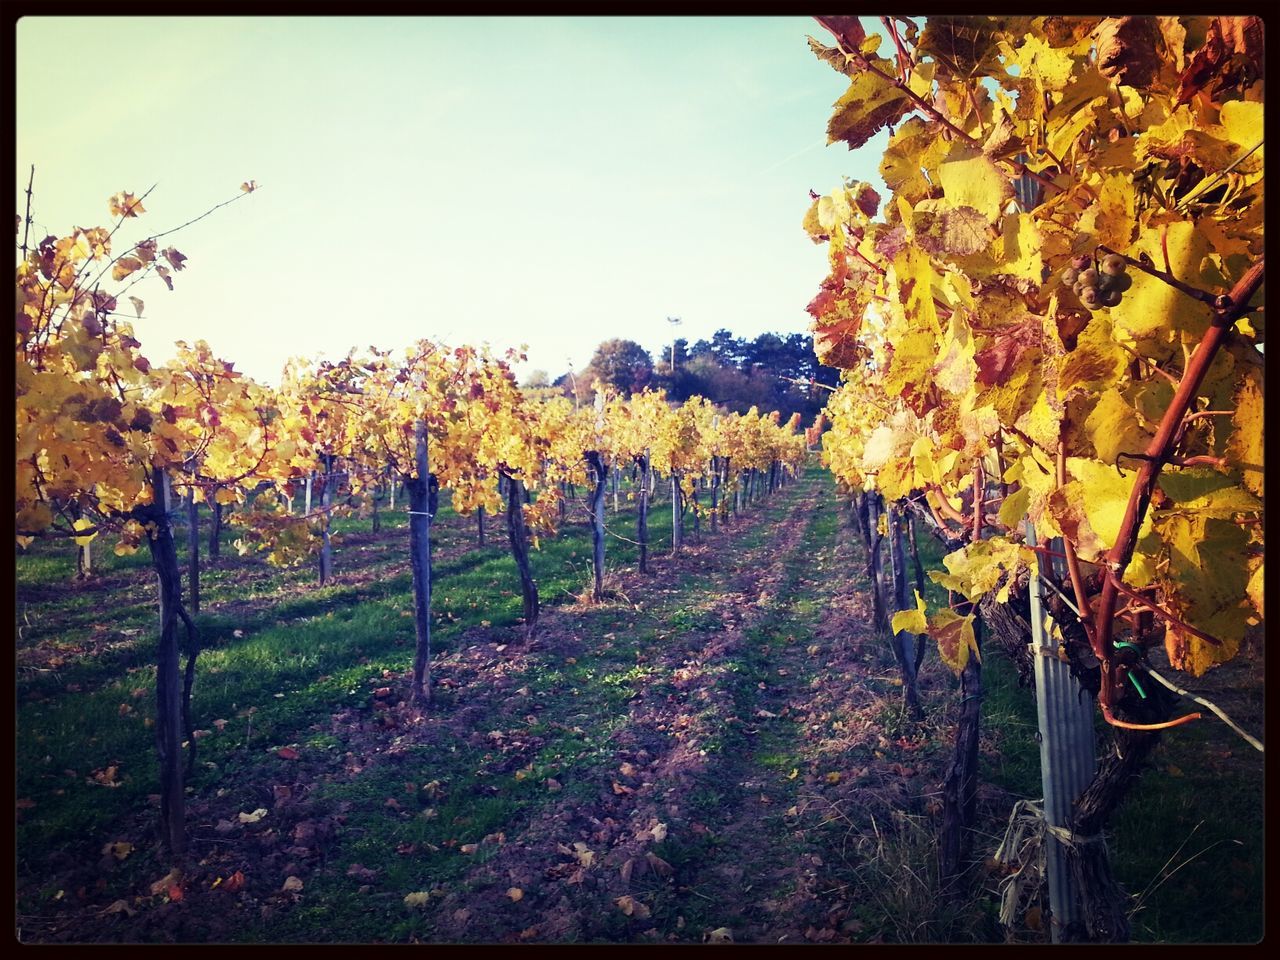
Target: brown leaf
point(125, 204)
point(125, 266)
point(632, 907)
point(1231, 53)
point(287, 753)
point(234, 882)
point(171, 878)
point(120, 906)
point(848, 30)
point(120, 849)
point(176, 259)
point(1130, 50)
point(292, 885)
point(660, 866)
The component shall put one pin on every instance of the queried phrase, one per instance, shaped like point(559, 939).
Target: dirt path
point(724, 770)
point(710, 817)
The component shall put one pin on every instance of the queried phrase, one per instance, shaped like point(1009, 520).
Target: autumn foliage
point(978, 384)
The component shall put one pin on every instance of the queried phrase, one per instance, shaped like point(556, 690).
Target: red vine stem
point(1161, 447)
point(1116, 722)
point(1160, 612)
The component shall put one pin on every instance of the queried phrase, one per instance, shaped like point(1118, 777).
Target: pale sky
point(554, 181)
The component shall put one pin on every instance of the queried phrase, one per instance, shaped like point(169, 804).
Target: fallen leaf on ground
point(292, 885)
point(253, 817)
point(418, 899)
point(515, 894)
point(632, 907)
point(234, 882)
point(120, 906)
point(171, 878)
point(119, 850)
point(660, 866)
point(287, 753)
point(469, 848)
point(720, 935)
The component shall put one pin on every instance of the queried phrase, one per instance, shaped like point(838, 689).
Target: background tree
point(622, 365)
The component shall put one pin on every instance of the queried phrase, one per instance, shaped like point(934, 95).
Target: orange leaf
point(287, 753)
point(125, 204)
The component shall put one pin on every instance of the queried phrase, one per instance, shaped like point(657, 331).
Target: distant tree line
point(734, 372)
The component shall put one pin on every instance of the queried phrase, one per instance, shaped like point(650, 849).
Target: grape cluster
point(1098, 285)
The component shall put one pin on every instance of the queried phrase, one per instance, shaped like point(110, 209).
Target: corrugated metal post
point(1067, 750)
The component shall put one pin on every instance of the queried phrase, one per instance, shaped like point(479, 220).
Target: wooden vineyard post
point(419, 489)
point(904, 642)
point(518, 534)
point(642, 512)
point(164, 559)
point(215, 529)
point(1068, 759)
point(193, 550)
point(600, 478)
point(677, 513)
point(326, 503)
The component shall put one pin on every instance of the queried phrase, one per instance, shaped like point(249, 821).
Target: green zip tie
point(1134, 680)
point(1126, 643)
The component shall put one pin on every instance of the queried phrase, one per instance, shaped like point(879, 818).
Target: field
point(717, 750)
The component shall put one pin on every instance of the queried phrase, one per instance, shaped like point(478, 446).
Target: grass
point(283, 655)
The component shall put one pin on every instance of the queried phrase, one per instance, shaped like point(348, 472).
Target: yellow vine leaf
point(912, 621)
point(970, 179)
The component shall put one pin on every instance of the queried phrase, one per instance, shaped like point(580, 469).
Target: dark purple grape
point(1111, 298)
point(1113, 264)
point(1123, 282)
point(1090, 276)
point(1081, 261)
point(1091, 298)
